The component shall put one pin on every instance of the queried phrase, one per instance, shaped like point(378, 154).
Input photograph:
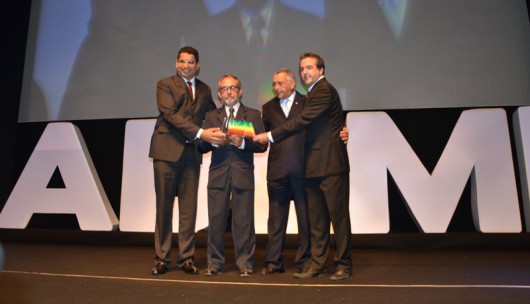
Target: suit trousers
point(281, 191)
point(328, 201)
point(243, 232)
point(180, 178)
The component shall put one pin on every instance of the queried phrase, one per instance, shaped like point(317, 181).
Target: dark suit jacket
point(322, 116)
point(286, 157)
point(180, 117)
point(229, 159)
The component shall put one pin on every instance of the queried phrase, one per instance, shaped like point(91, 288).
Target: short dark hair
point(320, 61)
point(189, 50)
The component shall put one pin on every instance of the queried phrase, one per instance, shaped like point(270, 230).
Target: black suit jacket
point(323, 119)
point(286, 157)
point(229, 159)
point(180, 117)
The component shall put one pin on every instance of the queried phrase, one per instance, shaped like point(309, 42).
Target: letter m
point(478, 148)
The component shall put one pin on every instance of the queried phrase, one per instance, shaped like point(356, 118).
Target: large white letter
point(137, 211)
point(479, 146)
point(60, 146)
point(521, 130)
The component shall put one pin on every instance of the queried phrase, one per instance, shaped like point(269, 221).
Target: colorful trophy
point(241, 127)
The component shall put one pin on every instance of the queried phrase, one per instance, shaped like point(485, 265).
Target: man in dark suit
point(231, 180)
point(326, 168)
point(285, 176)
point(182, 101)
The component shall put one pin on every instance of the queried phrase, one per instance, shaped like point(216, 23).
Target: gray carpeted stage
point(69, 272)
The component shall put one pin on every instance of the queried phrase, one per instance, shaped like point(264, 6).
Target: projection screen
point(101, 59)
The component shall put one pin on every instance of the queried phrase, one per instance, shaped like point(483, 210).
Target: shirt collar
point(191, 80)
point(311, 87)
point(236, 108)
point(289, 99)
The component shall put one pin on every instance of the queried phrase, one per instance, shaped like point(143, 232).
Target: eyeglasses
point(279, 83)
point(231, 88)
point(183, 61)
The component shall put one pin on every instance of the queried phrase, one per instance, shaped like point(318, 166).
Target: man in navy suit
point(231, 180)
point(182, 101)
point(285, 175)
point(326, 168)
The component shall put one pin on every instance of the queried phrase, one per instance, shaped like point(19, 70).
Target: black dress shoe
point(246, 273)
point(268, 270)
point(160, 268)
point(188, 267)
point(212, 272)
point(340, 275)
point(309, 273)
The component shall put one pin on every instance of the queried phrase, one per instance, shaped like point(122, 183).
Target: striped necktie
point(190, 88)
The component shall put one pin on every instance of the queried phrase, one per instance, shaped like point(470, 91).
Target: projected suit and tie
point(387, 54)
point(256, 48)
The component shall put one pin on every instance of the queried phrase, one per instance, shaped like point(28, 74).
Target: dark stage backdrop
point(14, 20)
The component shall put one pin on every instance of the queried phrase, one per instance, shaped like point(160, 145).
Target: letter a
point(60, 146)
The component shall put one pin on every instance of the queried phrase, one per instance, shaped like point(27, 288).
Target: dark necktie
point(231, 117)
point(190, 88)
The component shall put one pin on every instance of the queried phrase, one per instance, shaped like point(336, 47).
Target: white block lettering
point(61, 145)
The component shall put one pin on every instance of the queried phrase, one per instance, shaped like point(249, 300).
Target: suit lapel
point(241, 112)
point(181, 86)
point(221, 114)
point(297, 104)
point(317, 85)
point(179, 83)
point(198, 89)
point(277, 106)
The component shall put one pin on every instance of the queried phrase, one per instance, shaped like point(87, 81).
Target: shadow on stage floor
point(55, 272)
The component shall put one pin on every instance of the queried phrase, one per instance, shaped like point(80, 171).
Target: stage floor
point(70, 273)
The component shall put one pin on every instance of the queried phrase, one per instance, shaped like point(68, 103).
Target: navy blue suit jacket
point(286, 157)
